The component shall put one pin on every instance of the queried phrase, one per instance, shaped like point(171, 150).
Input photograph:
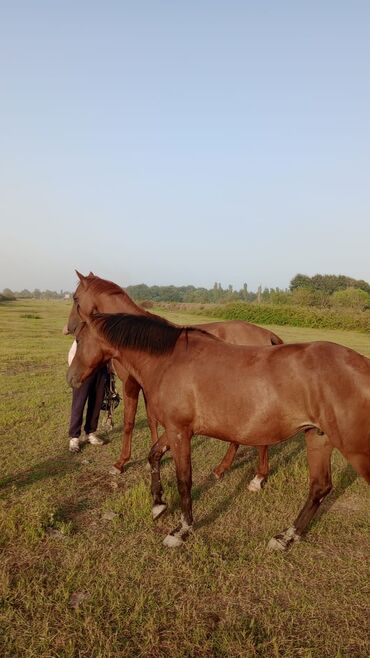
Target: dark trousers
point(91, 390)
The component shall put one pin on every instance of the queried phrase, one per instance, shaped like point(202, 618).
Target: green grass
point(76, 584)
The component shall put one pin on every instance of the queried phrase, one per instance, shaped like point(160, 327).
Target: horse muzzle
point(73, 380)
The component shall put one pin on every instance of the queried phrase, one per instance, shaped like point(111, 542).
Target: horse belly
point(249, 410)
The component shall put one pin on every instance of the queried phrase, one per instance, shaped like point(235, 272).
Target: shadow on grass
point(347, 477)
point(54, 467)
point(248, 456)
point(224, 504)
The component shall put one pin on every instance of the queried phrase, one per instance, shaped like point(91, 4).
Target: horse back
point(238, 332)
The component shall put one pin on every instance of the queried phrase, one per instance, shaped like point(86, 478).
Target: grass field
point(79, 581)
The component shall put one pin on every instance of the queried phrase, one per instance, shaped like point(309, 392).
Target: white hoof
point(216, 475)
point(114, 471)
point(148, 467)
point(158, 510)
point(276, 545)
point(173, 541)
point(256, 483)
point(284, 540)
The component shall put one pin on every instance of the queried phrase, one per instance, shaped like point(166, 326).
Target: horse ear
point(91, 273)
point(82, 278)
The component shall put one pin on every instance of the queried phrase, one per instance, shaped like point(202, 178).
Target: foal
point(321, 388)
point(94, 294)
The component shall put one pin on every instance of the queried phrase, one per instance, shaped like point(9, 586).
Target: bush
point(295, 316)
point(351, 298)
point(146, 303)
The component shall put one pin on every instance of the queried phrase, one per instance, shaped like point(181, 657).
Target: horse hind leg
point(319, 451)
point(227, 461)
point(256, 483)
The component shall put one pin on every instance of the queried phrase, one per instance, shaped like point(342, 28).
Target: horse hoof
point(255, 484)
point(217, 475)
point(173, 541)
point(282, 541)
point(276, 544)
point(114, 470)
point(148, 466)
point(158, 510)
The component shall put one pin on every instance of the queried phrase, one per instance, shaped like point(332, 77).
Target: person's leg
point(79, 397)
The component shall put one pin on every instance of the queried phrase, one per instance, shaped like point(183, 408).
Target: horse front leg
point(180, 448)
point(319, 451)
point(262, 470)
point(152, 422)
point(154, 459)
point(131, 390)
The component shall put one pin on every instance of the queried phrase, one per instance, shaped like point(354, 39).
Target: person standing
point(91, 392)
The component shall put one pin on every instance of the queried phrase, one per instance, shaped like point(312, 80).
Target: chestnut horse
point(94, 294)
point(272, 393)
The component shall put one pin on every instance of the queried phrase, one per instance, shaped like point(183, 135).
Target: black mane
point(147, 334)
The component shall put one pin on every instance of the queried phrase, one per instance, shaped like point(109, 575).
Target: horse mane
point(147, 334)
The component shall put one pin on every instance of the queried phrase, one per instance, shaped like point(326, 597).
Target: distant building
point(67, 295)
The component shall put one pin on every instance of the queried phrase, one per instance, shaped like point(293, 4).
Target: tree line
point(8, 294)
point(320, 290)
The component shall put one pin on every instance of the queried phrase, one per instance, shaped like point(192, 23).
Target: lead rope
point(112, 401)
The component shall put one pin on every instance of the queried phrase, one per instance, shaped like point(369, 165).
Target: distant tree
point(300, 281)
point(328, 283)
point(351, 298)
point(8, 294)
point(25, 294)
point(280, 297)
point(243, 292)
point(302, 296)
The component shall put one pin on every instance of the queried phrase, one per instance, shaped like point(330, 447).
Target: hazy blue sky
point(183, 142)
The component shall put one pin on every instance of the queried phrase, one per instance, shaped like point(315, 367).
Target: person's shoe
point(74, 444)
point(94, 440)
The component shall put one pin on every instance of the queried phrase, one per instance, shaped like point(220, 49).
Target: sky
point(181, 143)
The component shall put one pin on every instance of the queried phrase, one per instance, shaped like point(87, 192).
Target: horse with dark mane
point(94, 294)
point(320, 388)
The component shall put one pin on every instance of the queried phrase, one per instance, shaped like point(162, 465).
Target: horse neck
point(142, 365)
point(119, 303)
